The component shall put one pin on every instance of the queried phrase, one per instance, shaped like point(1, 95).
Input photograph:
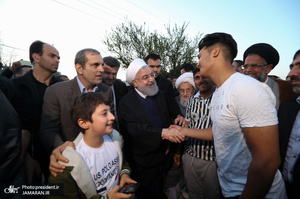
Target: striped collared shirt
point(197, 113)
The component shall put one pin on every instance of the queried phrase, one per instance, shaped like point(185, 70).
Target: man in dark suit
point(289, 133)
point(111, 67)
point(56, 124)
point(144, 122)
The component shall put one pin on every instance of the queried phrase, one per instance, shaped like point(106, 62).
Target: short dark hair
point(187, 67)
point(111, 61)
point(296, 54)
point(220, 38)
point(36, 47)
point(239, 62)
point(80, 57)
point(152, 56)
point(84, 106)
point(196, 70)
point(168, 76)
point(19, 69)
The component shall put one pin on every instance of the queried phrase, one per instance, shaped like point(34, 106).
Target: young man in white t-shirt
point(244, 129)
point(94, 168)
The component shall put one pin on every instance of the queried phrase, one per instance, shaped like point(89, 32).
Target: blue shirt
point(83, 89)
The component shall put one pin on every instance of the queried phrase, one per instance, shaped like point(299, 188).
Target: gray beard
point(149, 91)
point(296, 89)
point(183, 102)
point(261, 77)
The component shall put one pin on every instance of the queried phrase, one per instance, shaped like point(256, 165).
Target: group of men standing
point(229, 127)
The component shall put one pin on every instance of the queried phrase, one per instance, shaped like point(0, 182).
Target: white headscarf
point(185, 77)
point(133, 69)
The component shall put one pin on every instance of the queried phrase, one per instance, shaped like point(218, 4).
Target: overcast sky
point(71, 25)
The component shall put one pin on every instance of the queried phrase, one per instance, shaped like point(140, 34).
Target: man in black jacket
point(119, 89)
point(10, 143)
point(144, 122)
point(289, 133)
point(164, 85)
point(28, 101)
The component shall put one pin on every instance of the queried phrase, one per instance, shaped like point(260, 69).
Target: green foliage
point(129, 41)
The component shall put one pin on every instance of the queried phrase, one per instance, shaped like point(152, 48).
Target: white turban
point(133, 69)
point(185, 77)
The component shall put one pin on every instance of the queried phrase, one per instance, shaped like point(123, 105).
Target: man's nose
point(101, 69)
point(293, 72)
point(151, 78)
point(111, 76)
point(248, 69)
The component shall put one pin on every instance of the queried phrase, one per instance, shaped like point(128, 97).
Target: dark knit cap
point(266, 51)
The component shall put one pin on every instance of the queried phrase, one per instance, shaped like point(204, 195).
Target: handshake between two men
point(177, 133)
point(174, 133)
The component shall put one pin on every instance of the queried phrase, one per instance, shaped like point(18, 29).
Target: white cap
point(185, 77)
point(133, 69)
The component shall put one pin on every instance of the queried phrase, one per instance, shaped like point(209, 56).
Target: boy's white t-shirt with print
point(103, 164)
point(241, 102)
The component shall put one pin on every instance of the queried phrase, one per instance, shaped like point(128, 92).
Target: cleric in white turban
point(133, 69)
point(185, 77)
point(186, 87)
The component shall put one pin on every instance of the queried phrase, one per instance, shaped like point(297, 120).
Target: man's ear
point(83, 123)
point(78, 68)
point(134, 83)
point(216, 51)
point(269, 68)
point(35, 57)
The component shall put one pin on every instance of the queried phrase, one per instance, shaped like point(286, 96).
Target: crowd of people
point(222, 129)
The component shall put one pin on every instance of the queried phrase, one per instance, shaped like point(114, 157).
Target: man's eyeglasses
point(187, 91)
point(253, 65)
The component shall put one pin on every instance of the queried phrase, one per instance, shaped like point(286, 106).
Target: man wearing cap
point(186, 87)
point(144, 121)
point(289, 133)
point(259, 60)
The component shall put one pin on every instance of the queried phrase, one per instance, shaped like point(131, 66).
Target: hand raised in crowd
point(180, 121)
point(15, 65)
point(56, 156)
point(173, 135)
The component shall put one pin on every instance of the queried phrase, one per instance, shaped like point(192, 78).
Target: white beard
point(183, 102)
point(148, 91)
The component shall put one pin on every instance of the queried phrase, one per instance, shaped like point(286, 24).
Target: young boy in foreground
point(94, 169)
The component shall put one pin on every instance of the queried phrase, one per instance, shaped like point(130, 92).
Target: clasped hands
point(174, 134)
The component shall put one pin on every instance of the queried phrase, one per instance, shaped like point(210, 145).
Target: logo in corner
point(11, 189)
